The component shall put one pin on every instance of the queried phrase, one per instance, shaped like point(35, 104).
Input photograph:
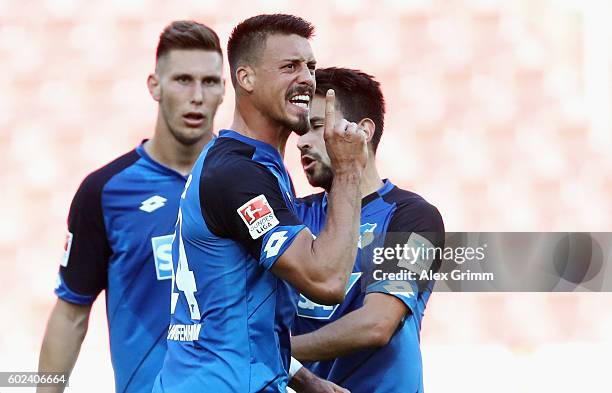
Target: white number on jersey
point(184, 278)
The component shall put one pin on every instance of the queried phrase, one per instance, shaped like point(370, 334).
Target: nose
point(306, 76)
point(304, 143)
point(198, 95)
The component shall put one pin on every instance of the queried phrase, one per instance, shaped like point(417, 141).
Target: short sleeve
point(83, 268)
point(414, 234)
point(243, 201)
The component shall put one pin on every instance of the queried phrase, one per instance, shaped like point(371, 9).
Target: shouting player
point(239, 243)
point(122, 219)
point(370, 342)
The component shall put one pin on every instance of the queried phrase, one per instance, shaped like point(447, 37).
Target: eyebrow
point(192, 76)
point(299, 60)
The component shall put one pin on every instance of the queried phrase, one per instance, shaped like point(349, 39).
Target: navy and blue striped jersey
point(229, 329)
point(389, 217)
point(119, 239)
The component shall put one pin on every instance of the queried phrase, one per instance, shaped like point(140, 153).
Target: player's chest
point(135, 213)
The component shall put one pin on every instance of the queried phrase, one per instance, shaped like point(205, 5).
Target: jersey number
point(184, 278)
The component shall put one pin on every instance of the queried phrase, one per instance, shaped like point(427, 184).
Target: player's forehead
point(191, 61)
point(282, 47)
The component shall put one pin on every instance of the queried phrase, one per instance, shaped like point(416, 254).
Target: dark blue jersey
point(229, 329)
point(119, 239)
point(389, 217)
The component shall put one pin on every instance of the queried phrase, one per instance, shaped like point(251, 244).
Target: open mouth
point(308, 162)
point(193, 119)
point(300, 100)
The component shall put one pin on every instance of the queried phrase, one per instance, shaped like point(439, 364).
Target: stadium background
point(498, 113)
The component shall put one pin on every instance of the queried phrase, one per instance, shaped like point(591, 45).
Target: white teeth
point(303, 97)
point(301, 104)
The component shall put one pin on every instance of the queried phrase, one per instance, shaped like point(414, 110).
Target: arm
point(304, 381)
point(242, 200)
point(370, 326)
point(320, 268)
point(65, 332)
point(81, 278)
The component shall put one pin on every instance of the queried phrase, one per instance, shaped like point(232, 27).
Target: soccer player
point(239, 243)
point(122, 218)
point(370, 342)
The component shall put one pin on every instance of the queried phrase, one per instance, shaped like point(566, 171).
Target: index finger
point(330, 111)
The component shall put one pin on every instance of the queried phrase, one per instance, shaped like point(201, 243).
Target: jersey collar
point(143, 153)
point(386, 187)
point(263, 146)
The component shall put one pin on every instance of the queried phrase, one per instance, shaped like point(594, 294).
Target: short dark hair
point(249, 37)
point(187, 34)
point(358, 95)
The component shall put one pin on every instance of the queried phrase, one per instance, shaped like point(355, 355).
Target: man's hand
point(305, 381)
point(345, 142)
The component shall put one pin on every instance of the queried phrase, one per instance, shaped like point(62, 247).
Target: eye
point(210, 82)
point(183, 79)
point(290, 66)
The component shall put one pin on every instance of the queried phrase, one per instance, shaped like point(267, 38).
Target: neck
point(250, 122)
point(165, 149)
point(370, 179)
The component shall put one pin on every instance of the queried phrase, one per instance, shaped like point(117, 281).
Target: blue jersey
point(389, 217)
point(119, 239)
point(229, 329)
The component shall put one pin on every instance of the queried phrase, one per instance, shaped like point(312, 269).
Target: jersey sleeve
point(83, 268)
point(244, 202)
point(416, 231)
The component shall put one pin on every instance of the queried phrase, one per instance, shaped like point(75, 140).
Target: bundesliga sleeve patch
point(67, 246)
point(258, 216)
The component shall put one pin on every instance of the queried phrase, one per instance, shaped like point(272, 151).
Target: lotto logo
point(153, 203)
point(258, 216)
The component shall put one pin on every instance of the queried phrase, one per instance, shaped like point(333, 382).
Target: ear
point(368, 125)
point(154, 87)
point(245, 76)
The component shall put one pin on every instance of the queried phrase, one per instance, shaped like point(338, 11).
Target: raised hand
point(345, 141)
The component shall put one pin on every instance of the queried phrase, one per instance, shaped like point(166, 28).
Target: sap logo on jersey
point(309, 309)
point(162, 254)
point(258, 216)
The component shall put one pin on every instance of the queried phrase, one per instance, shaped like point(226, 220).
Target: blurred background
point(498, 114)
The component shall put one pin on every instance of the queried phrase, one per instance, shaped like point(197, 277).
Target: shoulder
point(310, 200)
point(310, 210)
point(413, 212)
point(93, 183)
point(229, 160)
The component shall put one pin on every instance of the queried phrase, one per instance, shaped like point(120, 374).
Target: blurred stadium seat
point(496, 114)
